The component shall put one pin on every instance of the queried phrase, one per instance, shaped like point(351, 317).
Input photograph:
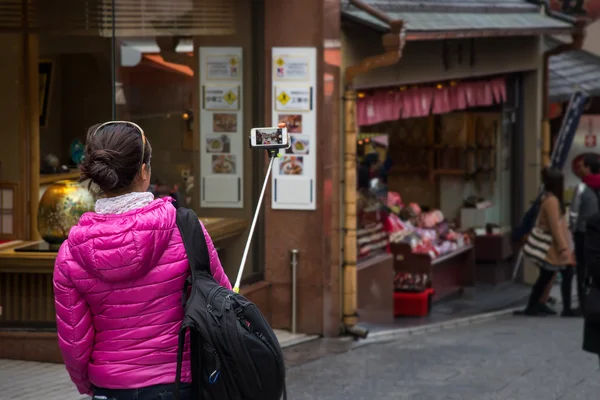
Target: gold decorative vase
point(61, 206)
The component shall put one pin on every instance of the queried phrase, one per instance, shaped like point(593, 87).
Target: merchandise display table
point(448, 273)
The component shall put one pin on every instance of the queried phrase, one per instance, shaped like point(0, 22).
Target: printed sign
point(222, 67)
point(221, 97)
point(220, 124)
point(590, 140)
point(293, 98)
point(294, 80)
point(291, 67)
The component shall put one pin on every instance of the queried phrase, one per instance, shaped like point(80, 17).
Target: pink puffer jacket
point(117, 286)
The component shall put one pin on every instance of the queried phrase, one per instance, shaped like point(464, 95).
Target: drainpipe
point(393, 43)
point(577, 38)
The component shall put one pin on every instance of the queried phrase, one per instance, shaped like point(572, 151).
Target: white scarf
point(122, 204)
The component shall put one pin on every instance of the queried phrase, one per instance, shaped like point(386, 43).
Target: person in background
point(367, 170)
point(591, 326)
point(584, 205)
point(552, 219)
point(118, 278)
point(386, 167)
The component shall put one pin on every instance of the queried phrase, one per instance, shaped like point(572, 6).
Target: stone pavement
point(512, 358)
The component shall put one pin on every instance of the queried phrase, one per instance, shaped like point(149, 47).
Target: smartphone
point(270, 138)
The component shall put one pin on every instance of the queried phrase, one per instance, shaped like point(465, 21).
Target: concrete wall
point(591, 43)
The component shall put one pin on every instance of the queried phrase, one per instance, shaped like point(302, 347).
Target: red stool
point(413, 304)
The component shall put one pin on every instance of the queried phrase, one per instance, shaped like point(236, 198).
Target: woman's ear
point(145, 172)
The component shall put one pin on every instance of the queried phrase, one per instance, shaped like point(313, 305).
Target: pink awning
point(385, 105)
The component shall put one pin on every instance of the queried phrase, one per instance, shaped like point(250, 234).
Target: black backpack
point(234, 353)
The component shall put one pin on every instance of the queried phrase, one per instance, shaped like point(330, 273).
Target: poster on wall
point(586, 141)
point(222, 67)
point(289, 98)
point(221, 97)
point(292, 67)
point(221, 127)
point(293, 103)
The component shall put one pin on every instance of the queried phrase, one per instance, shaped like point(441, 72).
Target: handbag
point(538, 244)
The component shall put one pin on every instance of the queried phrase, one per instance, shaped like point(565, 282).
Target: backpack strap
point(197, 254)
point(193, 240)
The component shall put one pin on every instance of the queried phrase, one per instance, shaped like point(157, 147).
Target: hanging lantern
point(578, 8)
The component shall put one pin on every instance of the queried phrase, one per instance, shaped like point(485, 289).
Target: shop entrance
point(441, 184)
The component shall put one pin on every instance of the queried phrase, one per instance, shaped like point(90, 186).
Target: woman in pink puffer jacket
point(118, 278)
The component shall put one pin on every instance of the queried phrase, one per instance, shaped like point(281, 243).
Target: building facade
point(197, 76)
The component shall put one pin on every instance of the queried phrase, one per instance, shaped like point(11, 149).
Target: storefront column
point(315, 234)
point(31, 128)
point(532, 113)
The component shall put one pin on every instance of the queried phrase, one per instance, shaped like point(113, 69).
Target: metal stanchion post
point(294, 263)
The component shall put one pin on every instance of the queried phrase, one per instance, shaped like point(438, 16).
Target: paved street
point(513, 358)
point(509, 358)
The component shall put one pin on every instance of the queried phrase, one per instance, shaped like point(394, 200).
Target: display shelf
point(46, 179)
point(28, 299)
point(448, 273)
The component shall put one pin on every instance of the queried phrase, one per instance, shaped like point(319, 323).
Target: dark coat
point(591, 330)
point(591, 337)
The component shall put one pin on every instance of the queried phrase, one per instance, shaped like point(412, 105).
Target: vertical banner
point(221, 127)
point(294, 179)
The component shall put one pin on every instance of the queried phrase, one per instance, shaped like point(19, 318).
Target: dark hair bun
point(99, 167)
point(114, 154)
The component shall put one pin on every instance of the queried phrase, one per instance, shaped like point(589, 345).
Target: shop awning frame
point(454, 19)
point(571, 70)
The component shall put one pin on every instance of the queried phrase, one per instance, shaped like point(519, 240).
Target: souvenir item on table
point(426, 246)
point(408, 282)
point(76, 151)
point(443, 230)
point(50, 164)
point(393, 223)
point(408, 214)
point(431, 219)
point(60, 208)
point(416, 208)
point(394, 202)
point(406, 236)
point(371, 239)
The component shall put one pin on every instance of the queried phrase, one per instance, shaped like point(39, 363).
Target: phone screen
point(269, 137)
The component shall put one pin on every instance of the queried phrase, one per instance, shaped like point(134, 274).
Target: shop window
point(133, 18)
point(7, 211)
point(149, 18)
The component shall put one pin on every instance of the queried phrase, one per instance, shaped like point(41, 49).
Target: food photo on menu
point(224, 123)
point(223, 164)
point(293, 122)
point(269, 137)
point(218, 144)
point(291, 165)
point(300, 144)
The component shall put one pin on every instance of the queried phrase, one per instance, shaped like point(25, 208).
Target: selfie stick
point(273, 153)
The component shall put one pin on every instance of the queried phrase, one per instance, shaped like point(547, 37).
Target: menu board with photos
point(221, 127)
point(294, 102)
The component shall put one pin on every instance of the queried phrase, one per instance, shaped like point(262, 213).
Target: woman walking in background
point(118, 279)
point(549, 246)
